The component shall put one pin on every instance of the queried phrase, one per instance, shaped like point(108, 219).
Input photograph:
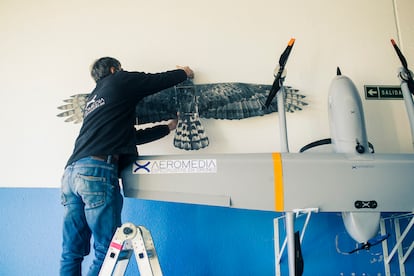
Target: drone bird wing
point(235, 101)
point(189, 102)
point(229, 101)
point(74, 108)
point(151, 109)
point(158, 107)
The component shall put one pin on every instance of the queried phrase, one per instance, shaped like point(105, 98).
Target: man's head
point(104, 67)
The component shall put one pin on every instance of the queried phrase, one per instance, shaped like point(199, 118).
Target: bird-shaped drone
point(190, 102)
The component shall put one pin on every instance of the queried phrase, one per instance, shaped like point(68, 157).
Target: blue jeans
point(93, 203)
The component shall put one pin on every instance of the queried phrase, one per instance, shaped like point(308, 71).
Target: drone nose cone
point(346, 117)
point(361, 226)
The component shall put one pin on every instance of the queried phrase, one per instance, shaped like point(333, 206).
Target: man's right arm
point(147, 135)
point(188, 71)
point(150, 83)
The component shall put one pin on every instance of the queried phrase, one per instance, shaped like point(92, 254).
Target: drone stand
point(398, 248)
point(408, 100)
point(284, 144)
point(279, 250)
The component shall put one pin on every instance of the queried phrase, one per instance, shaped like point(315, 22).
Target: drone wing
point(235, 101)
point(151, 109)
point(73, 110)
point(230, 101)
point(158, 107)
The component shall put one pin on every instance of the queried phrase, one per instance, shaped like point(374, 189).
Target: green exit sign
point(383, 92)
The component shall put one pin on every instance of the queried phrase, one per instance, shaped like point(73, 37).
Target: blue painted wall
point(190, 239)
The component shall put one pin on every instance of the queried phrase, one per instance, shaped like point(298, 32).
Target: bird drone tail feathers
point(190, 133)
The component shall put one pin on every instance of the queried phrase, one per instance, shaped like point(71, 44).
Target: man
point(106, 144)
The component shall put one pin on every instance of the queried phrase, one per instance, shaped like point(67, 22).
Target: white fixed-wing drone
point(348, 135)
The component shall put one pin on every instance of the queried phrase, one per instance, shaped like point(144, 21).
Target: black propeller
point(282, 62)
point(407, 76)
point(367, 245)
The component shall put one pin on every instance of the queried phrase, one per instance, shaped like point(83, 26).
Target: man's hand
point(172, 124)
point(188, 71)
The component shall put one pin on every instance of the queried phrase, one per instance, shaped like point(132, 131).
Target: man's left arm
point(147, 135)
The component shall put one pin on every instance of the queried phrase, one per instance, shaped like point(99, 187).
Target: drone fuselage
point(348, 134)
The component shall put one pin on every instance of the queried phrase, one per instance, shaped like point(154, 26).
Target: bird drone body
point(190, 102)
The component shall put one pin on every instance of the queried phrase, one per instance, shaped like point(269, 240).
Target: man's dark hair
point(102, 67)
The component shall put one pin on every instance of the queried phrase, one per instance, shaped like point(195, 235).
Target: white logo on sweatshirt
point(93, 104)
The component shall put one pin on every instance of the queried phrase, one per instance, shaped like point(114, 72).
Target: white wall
point(47, 47)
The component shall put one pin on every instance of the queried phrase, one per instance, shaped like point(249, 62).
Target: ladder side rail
point(123, 259)
point(151, 251)
point(145, 253)
point(112, 255)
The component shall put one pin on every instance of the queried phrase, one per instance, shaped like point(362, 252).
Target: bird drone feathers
point(190, 102)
